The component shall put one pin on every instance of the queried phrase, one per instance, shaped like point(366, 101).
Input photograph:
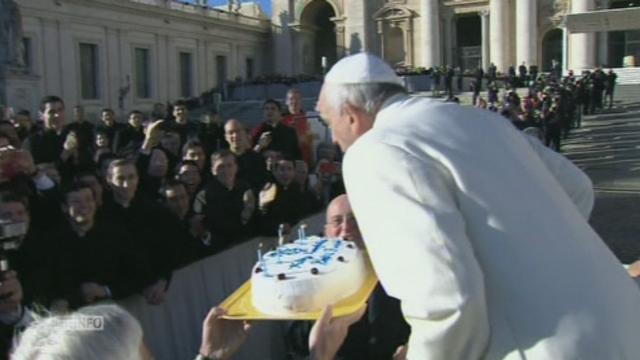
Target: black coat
point(375, 336)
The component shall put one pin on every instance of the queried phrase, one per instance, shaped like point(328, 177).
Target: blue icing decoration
point(324, 260)
point(298, 263)
point(337, 245)
point(318, 246)
point(291, 251)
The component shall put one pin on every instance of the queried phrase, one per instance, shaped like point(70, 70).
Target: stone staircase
point(628, 76)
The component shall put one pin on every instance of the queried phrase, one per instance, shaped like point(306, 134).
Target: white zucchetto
point(362, 68)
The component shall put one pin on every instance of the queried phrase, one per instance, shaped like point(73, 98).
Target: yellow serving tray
point(240, 307)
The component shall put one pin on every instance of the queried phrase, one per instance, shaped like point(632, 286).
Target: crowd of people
point(110, 209)
point(553, 104)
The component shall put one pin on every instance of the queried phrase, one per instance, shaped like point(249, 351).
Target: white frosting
point(317, 272)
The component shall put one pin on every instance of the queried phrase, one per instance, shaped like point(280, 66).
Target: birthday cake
point(306, 275)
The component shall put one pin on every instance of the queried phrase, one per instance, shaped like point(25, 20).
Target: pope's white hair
point(64, 337)
point(366, 96)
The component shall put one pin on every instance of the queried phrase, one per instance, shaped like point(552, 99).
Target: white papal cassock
point(482, 233)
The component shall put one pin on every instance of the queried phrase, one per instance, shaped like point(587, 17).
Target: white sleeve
point(415, 234)
point(574, 181)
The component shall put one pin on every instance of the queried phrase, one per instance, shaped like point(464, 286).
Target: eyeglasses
point(338, 220)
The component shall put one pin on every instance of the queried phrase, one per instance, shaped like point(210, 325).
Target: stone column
point(498, 34)
point(603, 40)
point(448, 44)
point(526, 32)
point(582, 45)
point(603, 49)
point(484, 16)
point(565, 49)
point(430, 28)
point(340, 40)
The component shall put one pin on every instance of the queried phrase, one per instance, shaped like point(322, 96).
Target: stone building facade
point(466, 33)
point(129, 54)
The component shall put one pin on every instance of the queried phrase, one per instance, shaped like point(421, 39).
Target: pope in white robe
point(479, 230)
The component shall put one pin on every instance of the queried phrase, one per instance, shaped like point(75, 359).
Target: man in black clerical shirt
point(280, 202)
point(150, 225)
point(180, 124)
point(228, 203)
point(95, 260)
point(130, 137)
point(251, 165)
point(272, 134)
point(54, 144)
point(108, 125)
point(82, 127)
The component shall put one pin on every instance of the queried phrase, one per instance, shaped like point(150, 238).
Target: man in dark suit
point(272, 134)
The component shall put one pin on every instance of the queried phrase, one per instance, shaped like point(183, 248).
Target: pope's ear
point(352, 112)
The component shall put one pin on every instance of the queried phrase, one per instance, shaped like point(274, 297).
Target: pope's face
point(341, 131)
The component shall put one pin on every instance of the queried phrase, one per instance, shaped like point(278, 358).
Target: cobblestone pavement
point(607, 148)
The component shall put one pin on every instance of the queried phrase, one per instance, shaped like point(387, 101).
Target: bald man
point(341, 223)
point(382, 330)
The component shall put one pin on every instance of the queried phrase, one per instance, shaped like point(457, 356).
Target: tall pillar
point(526, 32)
point(603, 48)
point(603, 40)
point(430, 28)
point(582, 45)
point(498, 35)
point(448, 44)
point(484, 16)
point(565, 49)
